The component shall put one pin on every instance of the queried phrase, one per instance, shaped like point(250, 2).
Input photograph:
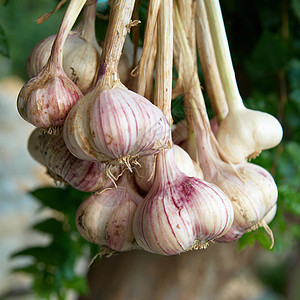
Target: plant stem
point(209, 65)
point(88, 22)
point(70, 16)
point(164, 59)
point(222, 53)
point(147, 46)
point(186, 67)
point(117, 30)
point(150, 66)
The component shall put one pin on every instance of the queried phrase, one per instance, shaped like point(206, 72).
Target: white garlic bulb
point(244, 133)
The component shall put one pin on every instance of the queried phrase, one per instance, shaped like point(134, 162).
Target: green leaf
point(31, 269)
point(61, 199)
point(79, 284)
point(3, 43)
point(45, 255)
point(291, 198)
point(269, 55)
point(51, 226)
point(295, 5)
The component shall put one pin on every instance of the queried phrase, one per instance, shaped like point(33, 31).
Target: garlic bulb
point(244, 133)
point(105, 218)
point(46, 99)
point(250, 188)
point(115, 126)
point(112, 124)
point(180, 213)
point(64, 167)
point(81, 53)
point(144, 174)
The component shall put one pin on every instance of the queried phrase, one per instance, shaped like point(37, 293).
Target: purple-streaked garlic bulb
point(115, 126)
point(105, 218)
point(144, 174)
point(81, 52)
point(50, 150)
point(46, 99)
point(111, 124)
point(180, 213)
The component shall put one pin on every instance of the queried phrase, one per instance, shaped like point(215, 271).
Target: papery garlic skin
point(180, 213)
point(244, 133)
point(105, 218)
point(64, 167)
point(115, 127)
point(253, 194)
point(80, 60)
point(144, 174)
point(45, 100)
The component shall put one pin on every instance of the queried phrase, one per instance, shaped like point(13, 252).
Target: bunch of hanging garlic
point(97, 136)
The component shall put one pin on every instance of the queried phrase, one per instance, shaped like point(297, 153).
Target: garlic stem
point(185, 64)
point(150, 33)
point(88, 22)
point(187, 14)
point(150, 66)
point(213, 84)
point(70, 16)
point(118, 28)
point(164, 59)
point(222, 53)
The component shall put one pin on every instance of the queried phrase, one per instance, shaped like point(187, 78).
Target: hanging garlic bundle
point(51, 151)
point(252, 190)
point(179, 213)
point(81, 52)
point(112, 124)
point(46, 99)
point(244, 133)
point(105, 218)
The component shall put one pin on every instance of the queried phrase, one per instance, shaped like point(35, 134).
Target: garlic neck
point(88, 22)
point(166, 170)
point(118, 28)
point(70, 16)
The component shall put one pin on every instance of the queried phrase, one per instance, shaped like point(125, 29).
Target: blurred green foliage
point(264, 38)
